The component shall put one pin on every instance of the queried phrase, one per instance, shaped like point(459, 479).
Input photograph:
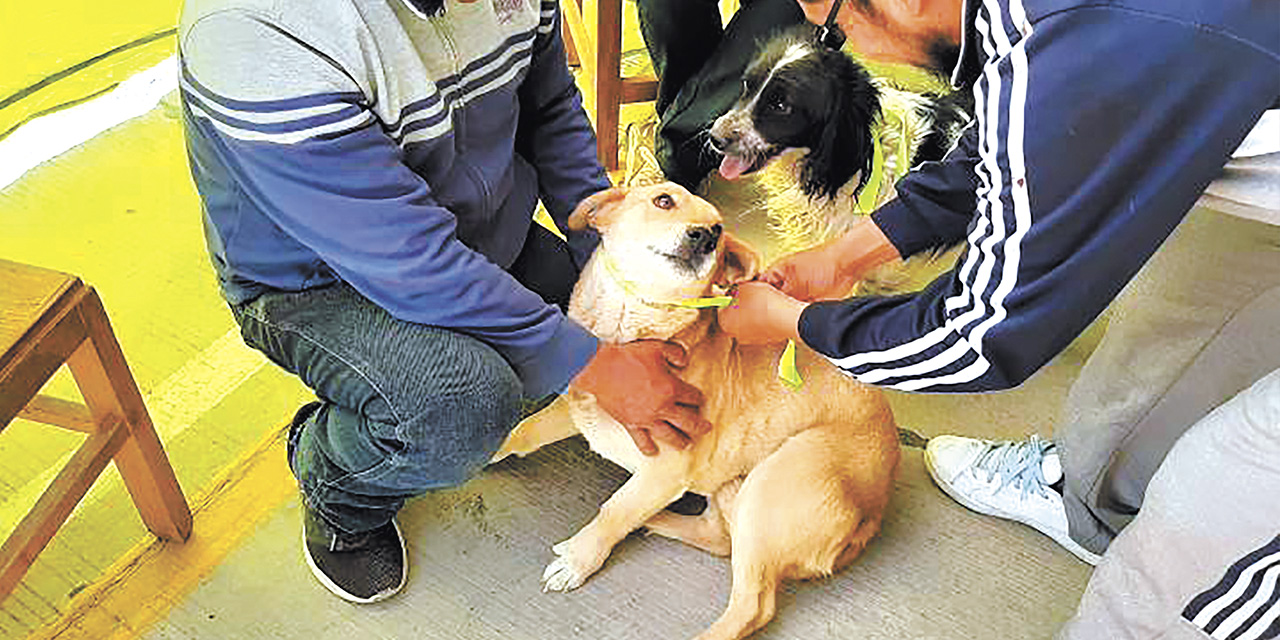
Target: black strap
point(830, 34)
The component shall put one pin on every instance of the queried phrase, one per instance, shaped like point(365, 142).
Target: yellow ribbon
point(866, 202)
point(705, 302)
point(787, 371)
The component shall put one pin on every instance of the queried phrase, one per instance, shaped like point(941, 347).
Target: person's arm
point(932, 209)
point(555, 135)
point(319, 165)
point(934, 203)
point(1089, 154)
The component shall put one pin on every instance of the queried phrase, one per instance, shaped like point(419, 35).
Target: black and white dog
point(824, 114)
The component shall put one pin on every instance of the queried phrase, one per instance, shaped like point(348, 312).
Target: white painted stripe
point(174, 405)
point(47, 137)
point(1266, 589)
point(201, 383)
point(1242, 583)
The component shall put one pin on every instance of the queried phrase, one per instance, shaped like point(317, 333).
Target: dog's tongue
point(732, 167)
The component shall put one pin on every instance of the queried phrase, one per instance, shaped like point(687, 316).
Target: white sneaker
point(1005, 479)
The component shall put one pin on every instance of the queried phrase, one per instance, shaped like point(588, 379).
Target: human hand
point(811, 275)
point(830, 270)
point(635, 383)
point(761, 314)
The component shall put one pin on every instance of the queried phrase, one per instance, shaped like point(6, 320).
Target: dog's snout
point(725, 131)
point(704, 239)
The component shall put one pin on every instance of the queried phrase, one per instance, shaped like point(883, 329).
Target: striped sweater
point(363, 141)
point(1098, 124)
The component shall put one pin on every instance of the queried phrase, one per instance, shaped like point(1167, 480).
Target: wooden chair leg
point(608, 79)
point(110, 392)
point(57, 502)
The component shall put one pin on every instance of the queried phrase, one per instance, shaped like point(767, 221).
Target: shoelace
point(1017, 464)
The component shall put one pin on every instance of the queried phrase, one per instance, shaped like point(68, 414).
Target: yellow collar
point(787, 371)
point(704, 302)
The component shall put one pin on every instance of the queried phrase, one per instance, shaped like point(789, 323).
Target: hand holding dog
point(761, 314)
point(635, 384)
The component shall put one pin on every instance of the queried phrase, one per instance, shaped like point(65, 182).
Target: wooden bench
point(47, 319)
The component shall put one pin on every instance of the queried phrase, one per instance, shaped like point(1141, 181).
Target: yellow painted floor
point(120, 211)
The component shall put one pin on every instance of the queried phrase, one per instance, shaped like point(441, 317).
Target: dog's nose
point(704, 239)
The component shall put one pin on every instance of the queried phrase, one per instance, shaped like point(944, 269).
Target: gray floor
point(936, 572)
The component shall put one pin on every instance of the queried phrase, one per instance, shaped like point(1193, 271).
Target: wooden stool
point(47, 319)
point(598, 50)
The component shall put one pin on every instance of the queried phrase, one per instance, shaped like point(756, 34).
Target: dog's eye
point(779, 105)
point(664, 201)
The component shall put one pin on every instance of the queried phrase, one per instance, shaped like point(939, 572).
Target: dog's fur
point(821, 114)
point(797, 481)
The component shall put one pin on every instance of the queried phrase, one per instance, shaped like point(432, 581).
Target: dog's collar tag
point(705, 302)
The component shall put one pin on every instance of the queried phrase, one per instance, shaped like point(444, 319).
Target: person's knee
point(467, 412)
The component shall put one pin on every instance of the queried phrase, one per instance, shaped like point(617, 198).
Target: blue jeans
point(405, 408)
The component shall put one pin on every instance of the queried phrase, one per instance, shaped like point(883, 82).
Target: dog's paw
point(570, 568)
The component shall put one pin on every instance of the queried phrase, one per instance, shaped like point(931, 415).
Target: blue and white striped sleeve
point(277, 129)
point(1087, 157)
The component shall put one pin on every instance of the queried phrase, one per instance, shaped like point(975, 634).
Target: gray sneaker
point(361, 568)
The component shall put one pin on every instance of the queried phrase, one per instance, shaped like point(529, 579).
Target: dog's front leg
point(650, 490)
point(552, 424)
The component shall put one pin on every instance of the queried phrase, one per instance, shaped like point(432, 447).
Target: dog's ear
point(739, 262)
point(846, 146)
point(594, 210)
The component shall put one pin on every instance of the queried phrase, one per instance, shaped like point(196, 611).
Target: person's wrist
point(862, 248)
point(790, 319)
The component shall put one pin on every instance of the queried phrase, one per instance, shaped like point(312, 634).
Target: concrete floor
point(937, 571)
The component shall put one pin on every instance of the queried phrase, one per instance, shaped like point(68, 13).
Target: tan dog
point(798, 480)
